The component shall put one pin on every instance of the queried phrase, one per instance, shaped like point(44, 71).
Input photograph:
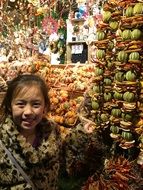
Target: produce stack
point(128, 73)
point(98, 99)
point(111, 16)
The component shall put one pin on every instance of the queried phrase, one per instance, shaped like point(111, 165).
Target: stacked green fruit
point(128, 69)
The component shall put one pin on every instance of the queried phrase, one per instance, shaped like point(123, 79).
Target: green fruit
point(122, 56)
point(114, 25)
point(107, 81)
point(128, 96)
point(95, 105)
point(100, 54)
point(126, 34)
point(119, 76)
point(116, 112)
point(104, 117)
point(138, 9)
point(127, 116)
point(98, 71)
point(106, 16)
point(115, 129)
point(129, 12)
point(100, 35)
point(66, 105)
point(130, 76)
point(107, 96)
point(127, 135)
point(136, 34)
point(118, 96)
point(134, 56)
point(96, 89)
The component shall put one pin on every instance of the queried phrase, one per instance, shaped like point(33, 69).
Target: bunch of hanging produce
point(98, 101)
point(126, 130)
point(124, 107)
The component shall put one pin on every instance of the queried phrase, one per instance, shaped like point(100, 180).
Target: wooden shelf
point(77, 20)
point(68, 64)
point(76, 42)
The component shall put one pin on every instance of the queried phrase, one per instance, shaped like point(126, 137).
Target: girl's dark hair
point(20, 81)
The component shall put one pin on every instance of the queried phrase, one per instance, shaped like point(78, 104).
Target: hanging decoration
point(49, 25)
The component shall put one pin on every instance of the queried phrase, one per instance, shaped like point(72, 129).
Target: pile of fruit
point(74, 78)
point(63, 108)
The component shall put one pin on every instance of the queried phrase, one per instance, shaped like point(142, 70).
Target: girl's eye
point(20, 104)
point(36, 105)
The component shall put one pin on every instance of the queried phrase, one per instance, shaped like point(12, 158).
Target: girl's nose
point(28, 110)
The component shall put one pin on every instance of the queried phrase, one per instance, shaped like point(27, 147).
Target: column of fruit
point(137, 57)
point(127, 74)
point(98, 99)
point(93, 104)
point(111, 17)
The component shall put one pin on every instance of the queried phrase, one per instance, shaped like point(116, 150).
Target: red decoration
point(49, 25)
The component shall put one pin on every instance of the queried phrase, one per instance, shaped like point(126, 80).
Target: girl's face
point(28, 107)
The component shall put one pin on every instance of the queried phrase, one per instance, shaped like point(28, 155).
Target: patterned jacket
point(41, 164)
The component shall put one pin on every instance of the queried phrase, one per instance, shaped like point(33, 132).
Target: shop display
point(90, 54)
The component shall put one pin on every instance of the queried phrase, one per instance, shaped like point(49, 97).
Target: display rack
point(77, 47)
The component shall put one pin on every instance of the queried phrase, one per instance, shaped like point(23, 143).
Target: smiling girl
point(32, 139)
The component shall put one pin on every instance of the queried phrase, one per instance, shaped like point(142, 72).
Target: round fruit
point(106, 16)
point(98, 71)
point(96, 89)
point(119, 76)
point(138, 9)
point(126, 116)
point(130, 76)
point(126, 34)
point(104, 117)
point(122, 56)
point(136, 34)
point(107, 81)
point(127, 136)
point(116, 112)
point(118, 96)
point(114, 25)
point(129, 11)
point(107, 96)
point(134, 56)
point(115, 129)
point(100, 54)
point(128, 96)
point(100, 35)
point(95, 105)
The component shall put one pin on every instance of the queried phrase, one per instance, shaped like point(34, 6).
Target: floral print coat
point(41, 163)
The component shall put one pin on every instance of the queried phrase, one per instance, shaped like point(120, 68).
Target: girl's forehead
point(28, 90)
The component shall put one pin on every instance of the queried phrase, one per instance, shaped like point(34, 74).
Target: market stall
point(90, 53)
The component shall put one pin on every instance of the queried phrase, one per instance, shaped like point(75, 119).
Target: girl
point(28, 136)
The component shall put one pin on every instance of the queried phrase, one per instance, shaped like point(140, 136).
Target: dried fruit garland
point(114, 101)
